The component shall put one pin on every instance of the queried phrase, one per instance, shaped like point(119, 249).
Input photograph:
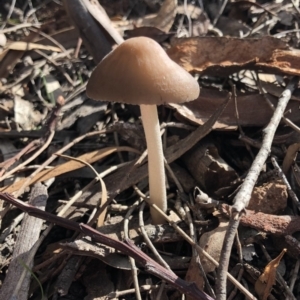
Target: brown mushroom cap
point(140, 72)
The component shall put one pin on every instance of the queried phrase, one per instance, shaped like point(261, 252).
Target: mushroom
point(140, 72)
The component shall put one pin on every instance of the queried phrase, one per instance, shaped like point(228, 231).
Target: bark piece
point(226, 55)
point(210, 171)
point(29, 234)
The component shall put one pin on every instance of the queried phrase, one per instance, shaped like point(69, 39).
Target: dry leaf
point(165, 17)
point(194, 275)
point(290, 156)
point(3, 40)
point(225, 55)
point(100, 15)
point(90, 157)
point(193, 10)
point(23, 46)
point(252, 107)
point(212, 243)
point(103, 201)
point(266, 280)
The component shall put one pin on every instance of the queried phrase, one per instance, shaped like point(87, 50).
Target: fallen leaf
point(24, 46)
point(266, 280)
point(165, 17)
point(212, 243)
point(100, 15)
point(90, 157)
point(290, 156)
point(252, 107)
point(194, 11)
point(3, 40)
point(221, 56)
point(194, 275)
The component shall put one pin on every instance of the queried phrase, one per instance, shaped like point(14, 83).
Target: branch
point(127, 248)
point(243, 196)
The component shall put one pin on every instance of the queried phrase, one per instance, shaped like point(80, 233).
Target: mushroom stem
point(156, 169)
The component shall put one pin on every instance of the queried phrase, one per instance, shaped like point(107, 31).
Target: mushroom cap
point(138, 72)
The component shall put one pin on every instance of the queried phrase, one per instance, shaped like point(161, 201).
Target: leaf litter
point(243, 55)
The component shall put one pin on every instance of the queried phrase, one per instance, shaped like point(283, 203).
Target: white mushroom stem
point(156, 169)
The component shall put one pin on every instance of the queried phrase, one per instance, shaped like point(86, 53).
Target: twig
point(17, 280)
point(290, 191)
point(187, 13)
point(128, 248)
point(11, 9)
point(278, 275)
point(143, 288)
point(202, 251)
point(243, 196)
point(17, 27)
point(295, 6)
point(284, 119)
point(147, 240)
point(132, 261)
point(152, 248)
point(55, 64)
point(44, 141)
point(54, 41)
point(221, 10)
point(294, 275)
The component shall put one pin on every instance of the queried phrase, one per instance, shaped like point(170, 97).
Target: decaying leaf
point(225, 55)
point(264, 283)
point(212, 243)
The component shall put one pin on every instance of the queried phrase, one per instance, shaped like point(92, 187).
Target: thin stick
point(202, 251)
point(128, 248)
point(134, 272)
point(243, 196)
